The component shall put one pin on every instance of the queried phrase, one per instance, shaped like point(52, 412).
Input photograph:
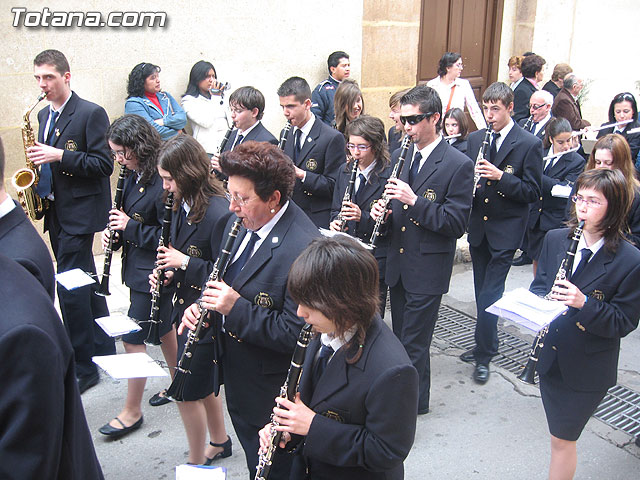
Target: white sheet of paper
point(75, 278)
point(200, 472)
point(527, 309)
point(561, 191)
point(116, 325)
point(332, 233)
point(130, 365)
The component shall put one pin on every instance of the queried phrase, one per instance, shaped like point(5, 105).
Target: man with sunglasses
point(430, 206)
point(540, 110)
point(510, 179)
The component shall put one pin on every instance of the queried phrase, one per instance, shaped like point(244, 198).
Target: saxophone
point(288, 391)
point(24, 181)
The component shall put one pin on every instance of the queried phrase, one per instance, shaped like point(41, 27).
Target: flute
point(559, 154)
point(449, 137)
point(601, 127)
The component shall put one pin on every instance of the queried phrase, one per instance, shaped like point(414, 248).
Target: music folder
point(527, 309)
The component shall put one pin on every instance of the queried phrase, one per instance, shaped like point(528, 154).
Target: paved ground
point(495, 431)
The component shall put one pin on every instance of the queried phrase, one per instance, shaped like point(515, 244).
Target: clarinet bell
point(175, 392)
point(103, 289)
point(528, 374)
point(153, 337)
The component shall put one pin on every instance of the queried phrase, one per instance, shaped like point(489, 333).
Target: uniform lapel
point(507, 145)
point(595, 269)
point(310, 141)
point(64, 120)
point(430, 166)
point(137, 191)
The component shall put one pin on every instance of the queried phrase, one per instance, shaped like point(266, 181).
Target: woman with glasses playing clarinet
point(200, 210)
point(366, 146)
point(137, 226)
point(579, 360)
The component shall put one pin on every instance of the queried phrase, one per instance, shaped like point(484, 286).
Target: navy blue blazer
point(44, 429)
point(143, 204)
point(521, 96)
point(394, 139)
point(322, 156)
point(258, 134)
point(586, 342)
point(549, 211)
point(460, 145)
point(262, 327)
point(423, 237)
point(501, 208)
point(81, 179)
point(20, 242)
point(542, 131)
point(354, 436)
point(368, 195)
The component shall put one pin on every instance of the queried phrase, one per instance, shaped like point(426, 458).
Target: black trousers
point(414, 317)
point(80, 306)
point(490, 269)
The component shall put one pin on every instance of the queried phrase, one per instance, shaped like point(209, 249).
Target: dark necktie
point(235, 268)
point(363, 180)
point(182, 218)
point(548, 168)
point(45, 183)
point(238, 141)
point(321, 363)
point(415, 167)
point(586, 255)
point(533, 127)
point(296, 145)
point(493, 150)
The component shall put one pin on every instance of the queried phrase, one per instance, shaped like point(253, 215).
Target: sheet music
point(75, 278)
point(200, 472)
point(527, 309)
point(130, 365)
point(117, 325)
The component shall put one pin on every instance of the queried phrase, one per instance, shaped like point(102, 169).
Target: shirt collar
point(51, 109)
point(337, 342)
point(367, 171)
point(582, 243)
point(428, 150)
point(245, 132)
point(306, 128)
point(264, 231)
point(6, 206)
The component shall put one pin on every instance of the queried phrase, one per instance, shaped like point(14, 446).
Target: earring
point(273, 210)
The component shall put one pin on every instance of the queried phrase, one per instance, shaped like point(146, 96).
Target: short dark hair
point(189, 165)
point(1, 164)
point(263, 164)
point(498, 92)
point(459, 116)
point(614, 187)
point(338, 277)
point(560, 71)
point(346, 95)
point(296, 86)
point(427, 100)
point(138, 136)
point(137, 77)
point(249, 98)
point(198, 72)
point(623, 97)
point(446, 61)
point(55, 58)
point(334, 59)
point(531, 65)
point(372, 130)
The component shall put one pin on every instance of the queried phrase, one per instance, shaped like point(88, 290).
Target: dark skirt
point(567, 410)
point(535, 237)
point(202, 381)
point(140, 311)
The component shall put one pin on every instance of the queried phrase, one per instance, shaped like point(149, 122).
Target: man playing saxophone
point(75, 166)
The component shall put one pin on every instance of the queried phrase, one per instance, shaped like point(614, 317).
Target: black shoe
point(481, 373)
point(226, 451)
point(638, 440)
point(467, 356)
point(522, 260)
point(159, 399)
point(423, 411)
point(114, 432)
point(88, 381)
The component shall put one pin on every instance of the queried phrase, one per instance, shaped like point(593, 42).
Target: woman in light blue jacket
point(145, 98)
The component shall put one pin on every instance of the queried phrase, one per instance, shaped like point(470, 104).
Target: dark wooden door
point(469, 27)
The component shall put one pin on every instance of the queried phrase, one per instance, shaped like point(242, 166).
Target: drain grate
point(619, 409)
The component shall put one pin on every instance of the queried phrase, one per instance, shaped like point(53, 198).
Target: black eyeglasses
point(536, 107)
point(414, 119)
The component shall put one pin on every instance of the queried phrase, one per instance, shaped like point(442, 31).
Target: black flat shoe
point(481, 373)
point(468, 356)
point(159, 399)
point(88, 381)
point(114, 432)
point(226, 451)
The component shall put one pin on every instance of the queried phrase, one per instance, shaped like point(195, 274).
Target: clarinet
point(103, 289)
point(288, 391)
point(175, 391)
point(527, 124)
point(223, 144)
point(395, 173)
point(284, 136)
point(482, 155)
point(564, 273)
point(348, 193)
point(153, 337)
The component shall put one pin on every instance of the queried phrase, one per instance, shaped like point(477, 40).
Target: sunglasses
point(414, 119)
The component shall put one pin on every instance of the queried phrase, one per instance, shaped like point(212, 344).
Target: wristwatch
point(185, 262)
